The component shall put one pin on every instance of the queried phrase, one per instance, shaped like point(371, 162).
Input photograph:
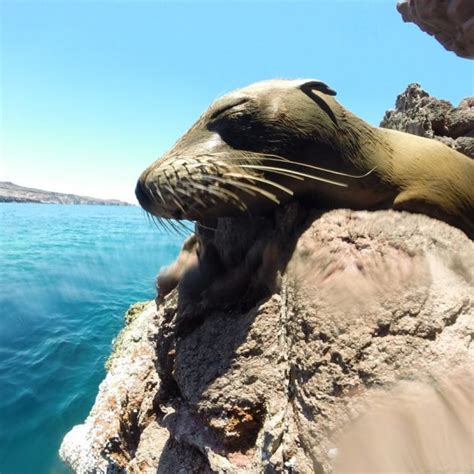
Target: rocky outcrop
point(419, 113)
point(451, 22)
point(292, 328)
point(296, 342)
point(10, 192)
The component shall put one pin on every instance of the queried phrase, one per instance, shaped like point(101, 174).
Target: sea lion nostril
point(142, 196)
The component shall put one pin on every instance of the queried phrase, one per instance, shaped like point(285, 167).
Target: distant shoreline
point(123, 204)
point(10, 192)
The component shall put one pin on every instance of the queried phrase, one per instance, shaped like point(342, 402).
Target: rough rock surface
point(451, 22)
point(351, 306)
point(419, 113)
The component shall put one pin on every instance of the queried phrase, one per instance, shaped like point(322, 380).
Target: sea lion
point(263, 145)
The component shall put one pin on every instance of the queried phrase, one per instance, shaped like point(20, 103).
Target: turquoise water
point(67, 275)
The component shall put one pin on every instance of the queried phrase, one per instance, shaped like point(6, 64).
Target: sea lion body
point(260, 146)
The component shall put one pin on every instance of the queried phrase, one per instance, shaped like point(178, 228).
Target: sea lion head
point(253, 149)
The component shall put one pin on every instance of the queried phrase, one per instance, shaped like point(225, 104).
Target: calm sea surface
point(67, 275)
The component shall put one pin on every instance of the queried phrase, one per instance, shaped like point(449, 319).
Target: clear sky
point(93, 92)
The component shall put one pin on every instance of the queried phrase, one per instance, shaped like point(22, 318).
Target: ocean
point(67, 274)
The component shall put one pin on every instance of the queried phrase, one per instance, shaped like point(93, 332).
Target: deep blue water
point(67, 275)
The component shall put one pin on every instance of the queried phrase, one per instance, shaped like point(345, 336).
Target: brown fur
point(274, 141)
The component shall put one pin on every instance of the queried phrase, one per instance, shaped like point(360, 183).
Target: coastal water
point(67, 275)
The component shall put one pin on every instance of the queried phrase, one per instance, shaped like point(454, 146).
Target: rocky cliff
point(308, 323)
point(421, 114)
point(10, 192)
point(299, 341)
point(302, 342)
point(451, 22)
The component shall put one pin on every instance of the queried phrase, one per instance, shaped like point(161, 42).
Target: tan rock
point(352, 308)
point(451, 22)
point(419, 113)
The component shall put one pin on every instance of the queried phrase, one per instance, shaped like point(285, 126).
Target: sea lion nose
point(142, 195)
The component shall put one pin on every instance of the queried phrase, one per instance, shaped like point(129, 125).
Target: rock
point(124, 404)
point(451, 22)
point(349, 309)
point(419, 113)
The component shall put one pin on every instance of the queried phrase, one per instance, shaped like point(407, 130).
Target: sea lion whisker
point(256, 156)
point(165, 225)
point(206, 189)
point(155, 190)
point(159, 224)
point(280, 171)
point(180, 228)
point(296, 173)
point(328, 170)
point(217, 167)
point(232, 197)
point(262, 180)
point(194, 196)
point(175, 226)
point(206, 227)
point(192, 187)
point(174, 198)
point(228, 181)
point(168, 226)
point(241, 205)
point(156, 221)
point(214, 190)
point(268, 195)
point(194, 199)
point(147, 215)
point(172, 193)
point(234, 183)
point(171, 224)
point(274, 157)
point(170, 188)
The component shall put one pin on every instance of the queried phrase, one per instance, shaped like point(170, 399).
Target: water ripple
point(67, 275)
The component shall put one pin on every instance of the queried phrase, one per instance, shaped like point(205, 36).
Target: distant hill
point(10, 192)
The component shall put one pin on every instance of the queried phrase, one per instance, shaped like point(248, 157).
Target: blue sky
point(93, 92)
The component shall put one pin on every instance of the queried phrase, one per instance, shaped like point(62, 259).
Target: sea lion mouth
point(225, 183)
point(210, 184)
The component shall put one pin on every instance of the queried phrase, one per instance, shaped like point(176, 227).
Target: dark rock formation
point(418, 113)
point(10, 192)
point(451, 22)
point(355, 314)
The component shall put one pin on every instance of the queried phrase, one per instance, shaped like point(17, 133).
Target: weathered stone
point(451, 22)
point(418, 113)
point(358, 304)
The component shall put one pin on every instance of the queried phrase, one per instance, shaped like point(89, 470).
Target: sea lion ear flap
point(309, 89)
point(317, 85)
